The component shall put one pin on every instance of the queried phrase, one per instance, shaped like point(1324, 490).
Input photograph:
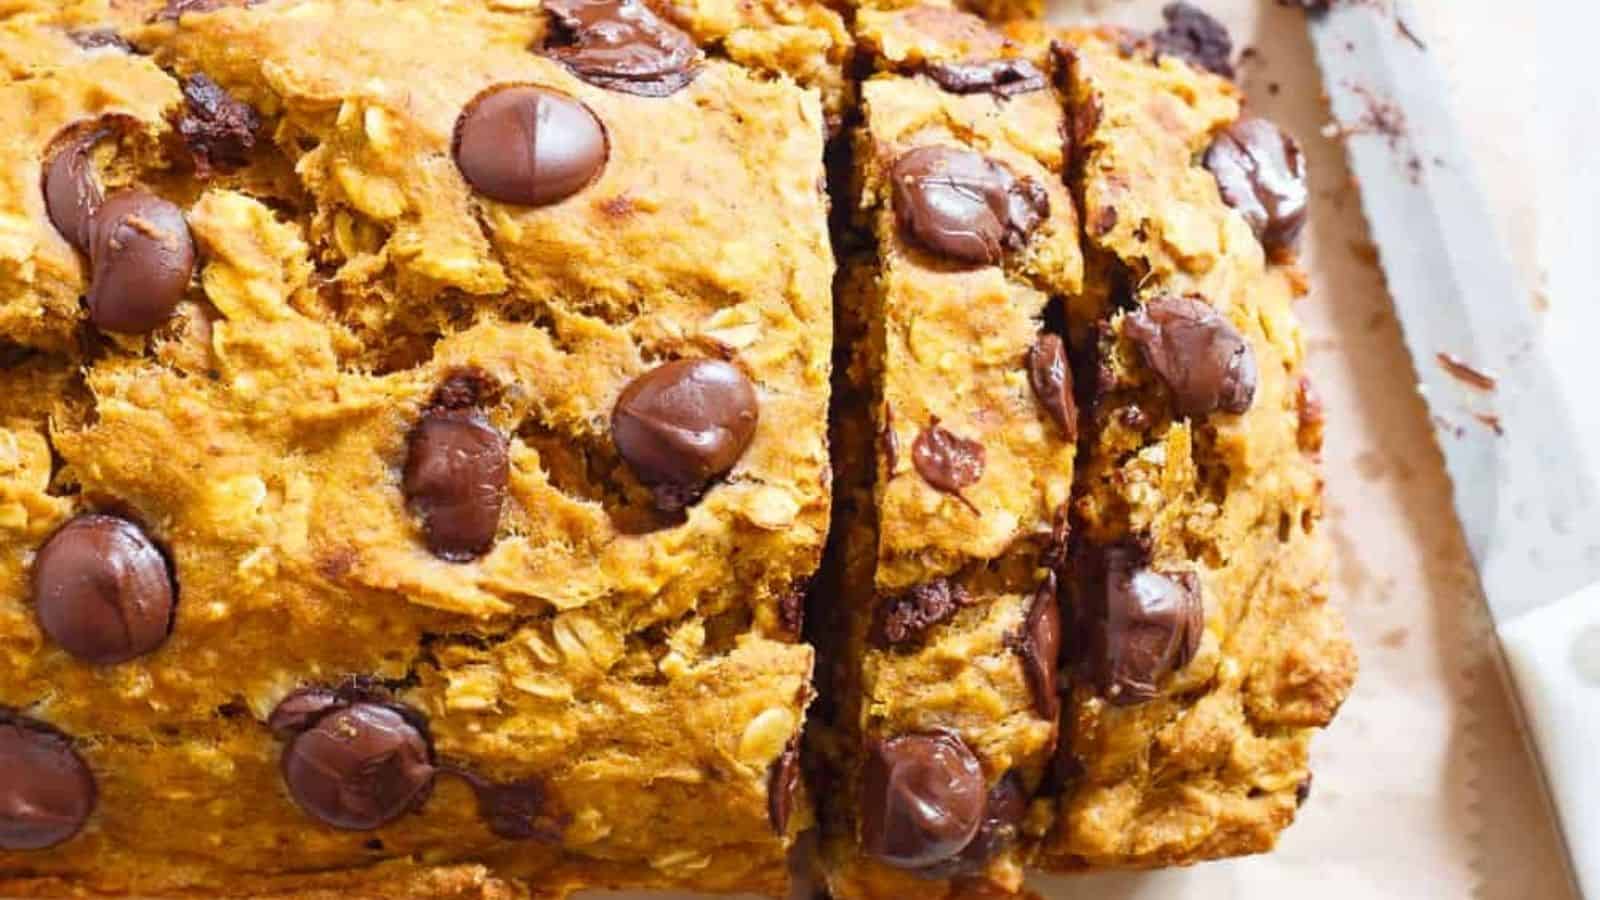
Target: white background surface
point(1423, 789)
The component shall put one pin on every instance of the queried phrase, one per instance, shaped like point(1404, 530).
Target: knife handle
point(1553, 658)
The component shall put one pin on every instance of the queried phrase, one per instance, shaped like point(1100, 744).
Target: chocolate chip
point(1056, 548)
point(1197, 353)
point(947, 462)
point(1002, 818)
point(98, 38)
point(142, 257)
point(1105, 220)
point(1040, 647)
point(103, 591)
point(622, 45)
point(515, 811)
point(1143, 625)
point(889, 441)
point(922, 799)
point(1302, 791)
point(455, 482)
point(963, 205)
point(783, 783)
point(1050, 373)
point(1085, 121)
point(518, 811)
point(46, 790)
point(1133, 418)
point(683, 425)
point(71, 193)
point(1003, 811)
point(1261, 172)
point(906, 617)
point(359, 767)
point(1001, 77)
point(219, 130)
point(792, 612)
point(529, 145)
point(301, 709)
point(1193, 35)
point(464, 389)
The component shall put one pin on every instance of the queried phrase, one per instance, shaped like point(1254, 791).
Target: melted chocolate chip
point(103, 591)
point(1143, 626)
point(922, 799)
point(142, 256)
point(622, 45)
point(792, 612)
point(518, 811)
point(1040, 648)
point(964, 206)
point(1003, 810)
point(783, 783)
point(1001, 77)
point(529, 145)
point(947, 462)
point(1197, 353)
point(683, 425)
point(219, 130)
point(1105, 220)
point(359, 767)
point(1302, 791)
point(71, 193)
point(301, 709)
point(464, 389)
point(514, 811)
point(455, 482)
point(1193, 35)
point(98, 38)
point(906, 618)
point(1056, 550)
point(1261, 172)
point(1050, 373)
point(889, 441)
point(1084, 120)
point(46, 790)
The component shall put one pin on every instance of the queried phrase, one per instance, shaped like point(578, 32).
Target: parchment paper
point(1423, 787)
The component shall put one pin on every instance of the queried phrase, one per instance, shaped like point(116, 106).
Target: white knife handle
point(1553, 654)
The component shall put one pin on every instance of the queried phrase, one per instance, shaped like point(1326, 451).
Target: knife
point(1523, 489)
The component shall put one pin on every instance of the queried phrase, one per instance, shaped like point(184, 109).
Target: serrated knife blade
point(1523, 490)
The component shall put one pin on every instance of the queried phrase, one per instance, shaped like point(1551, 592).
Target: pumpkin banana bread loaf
point(421, 493)
point(420, 425)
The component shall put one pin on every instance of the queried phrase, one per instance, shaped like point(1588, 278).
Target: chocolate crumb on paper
point(1465, 372)
point(1381, 117)
point(1407, 32)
